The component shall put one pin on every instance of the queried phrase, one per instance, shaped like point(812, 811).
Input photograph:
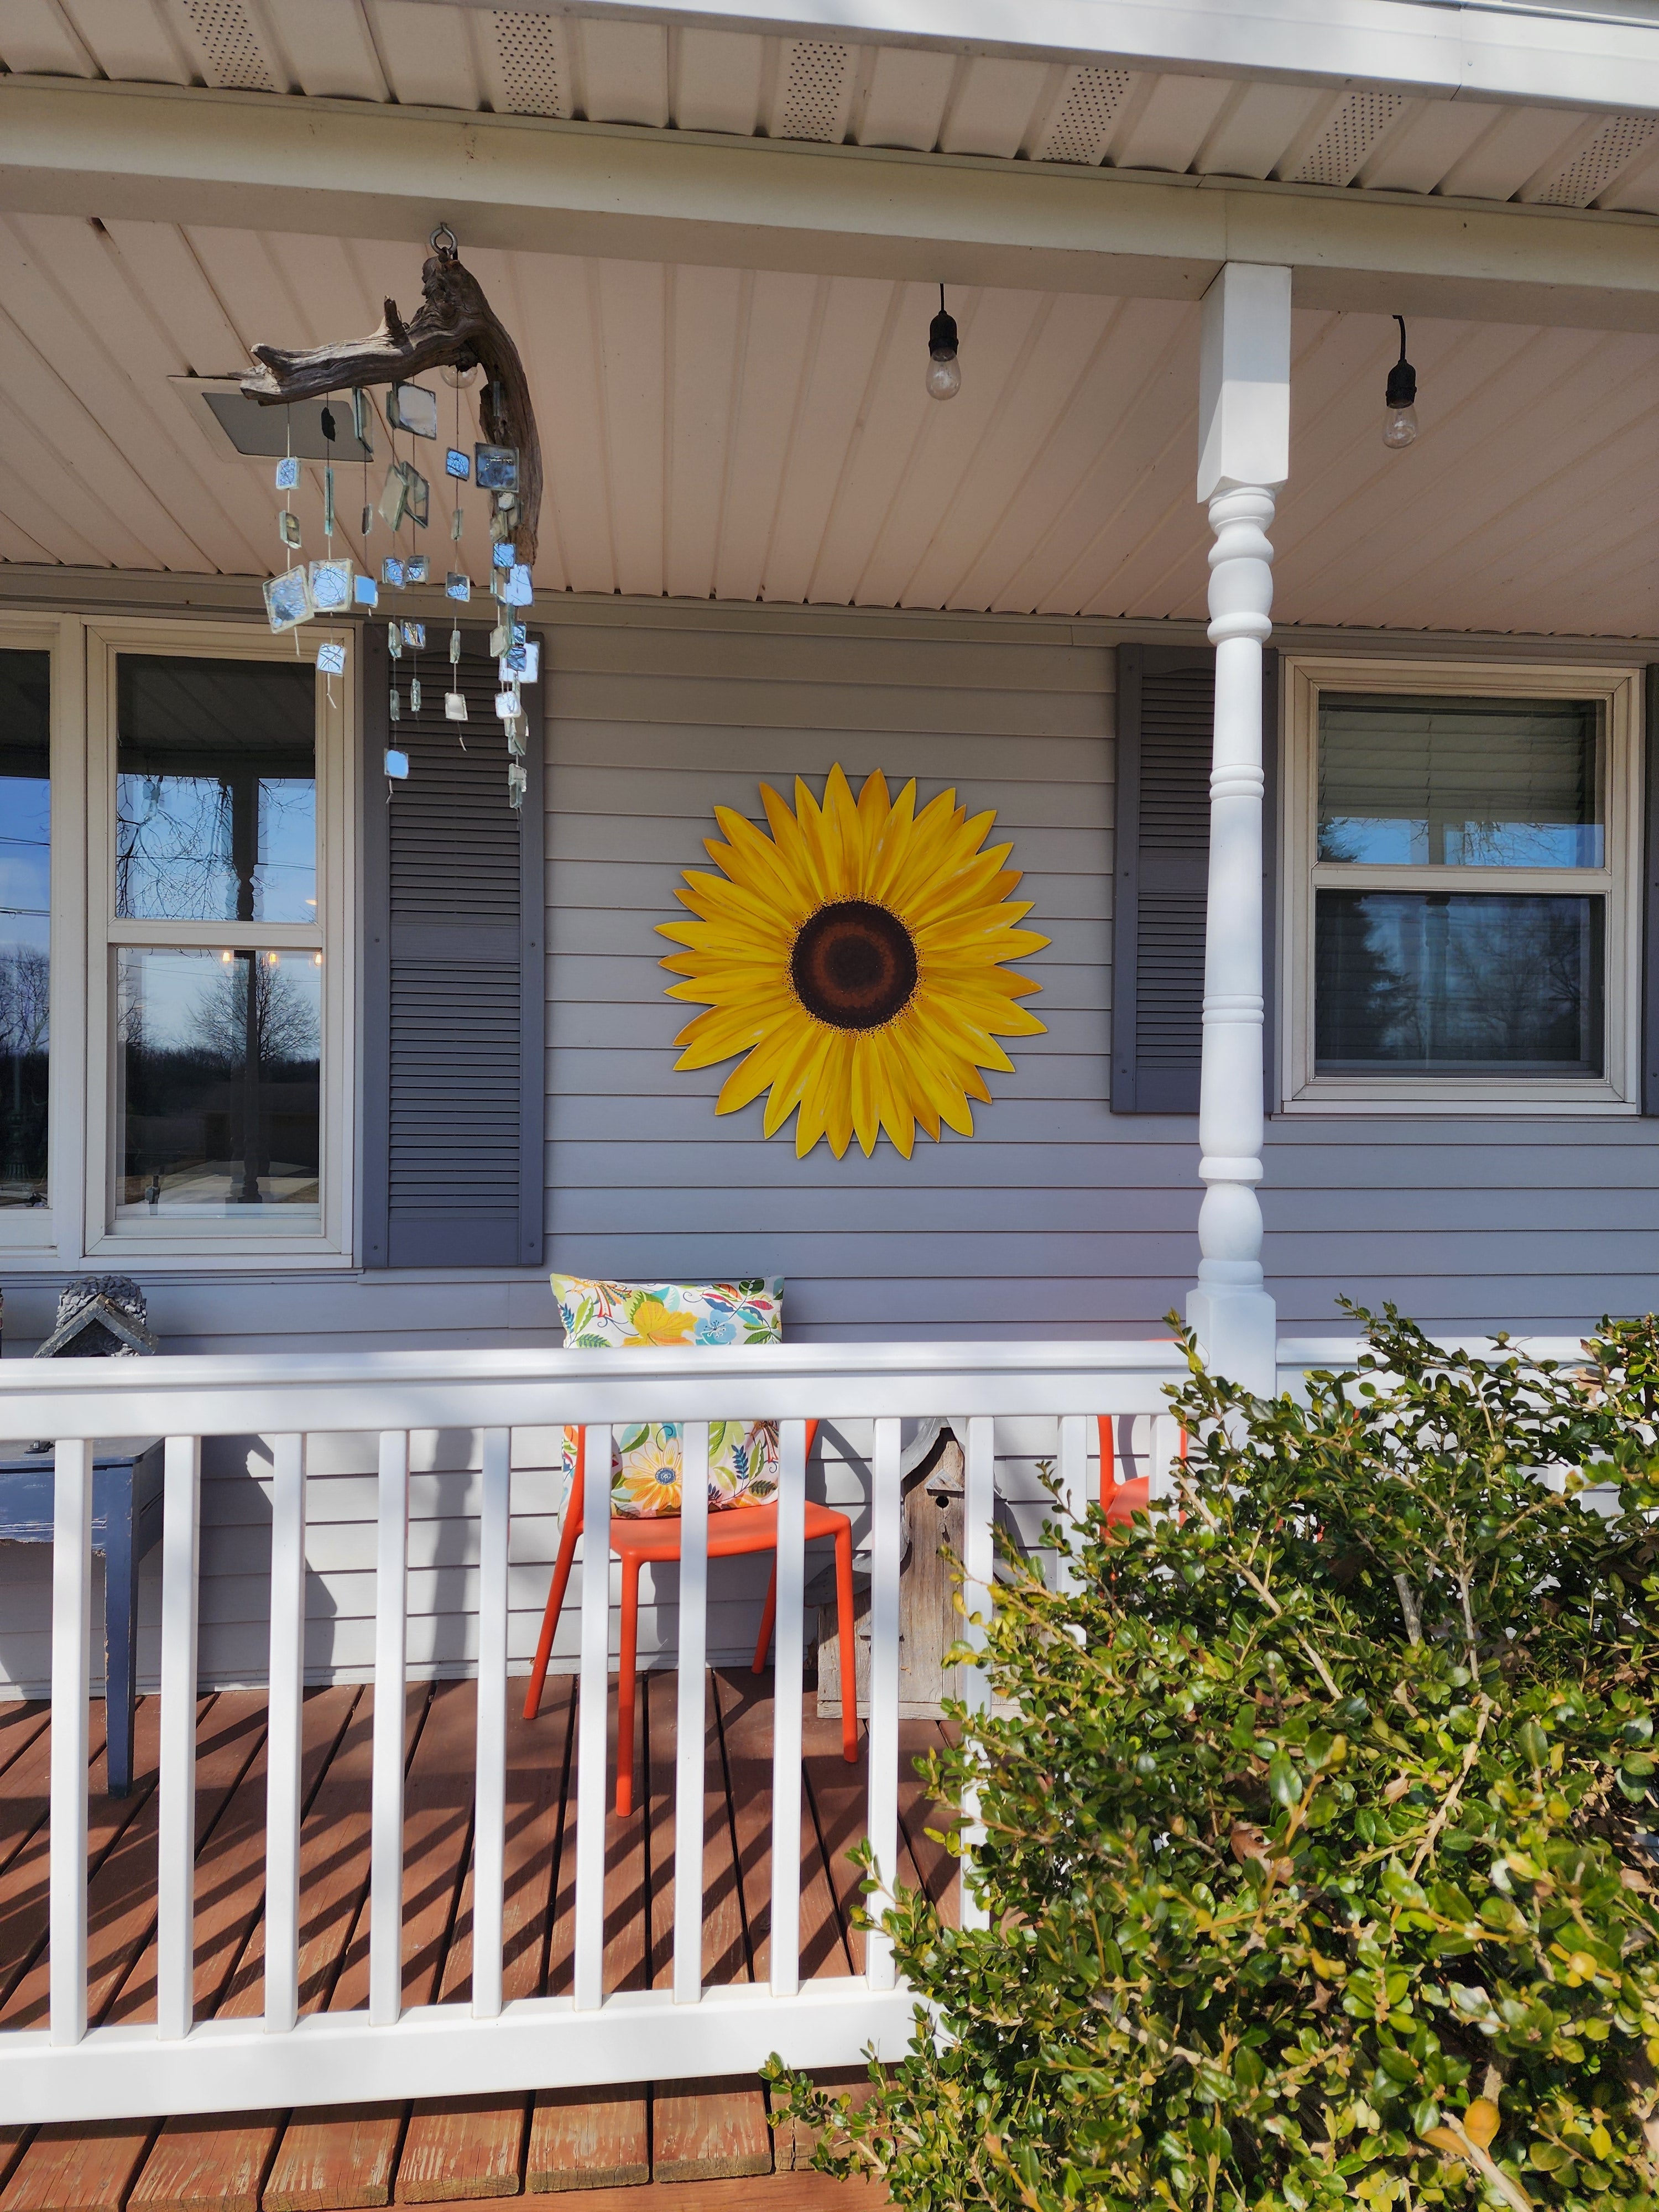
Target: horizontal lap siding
point(650, 732)
point(1057, 1219)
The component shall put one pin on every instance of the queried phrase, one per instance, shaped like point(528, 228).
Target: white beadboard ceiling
point(673, 75)
point(748, 435)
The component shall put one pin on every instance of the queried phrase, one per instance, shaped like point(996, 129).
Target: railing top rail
point(1341, 1352)
point(236, 1393)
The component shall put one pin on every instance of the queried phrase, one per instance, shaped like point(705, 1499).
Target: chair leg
point(627, 1661)
point(846, 1629)
point(768, 1615)
point(568, 1535)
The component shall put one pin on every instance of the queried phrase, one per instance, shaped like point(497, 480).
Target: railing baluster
point(284, 1732)
point(592, 1744)
point(72, 1587)
point(883, 1745)
point(783, 1940)
point(978, 1563)
point(489, 1808)
point(1165, 1448)
point(690, 1780)
point(385, 1891)
point(1073, 1472)
point(175, 1909)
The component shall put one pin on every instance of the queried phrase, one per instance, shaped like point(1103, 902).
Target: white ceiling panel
point(1173, 124)
point(623, 71)
point(717, 81)
point(767, 435)
point(906, 101)
point(1518, 143)
point(1250, 137)
point(133, 40)
point(36, 34)
point(1429, 137)
point(992, 107)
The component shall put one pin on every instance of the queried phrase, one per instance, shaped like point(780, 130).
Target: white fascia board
point(341, 168)
point(1431, 49)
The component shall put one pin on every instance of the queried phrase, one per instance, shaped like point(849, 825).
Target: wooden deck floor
point(694, 2147)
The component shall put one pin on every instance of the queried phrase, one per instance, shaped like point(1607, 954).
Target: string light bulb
point(1401, 399)
point(943, 370)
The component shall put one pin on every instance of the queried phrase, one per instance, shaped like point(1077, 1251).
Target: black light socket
point(942, 337)
point(1402, 388)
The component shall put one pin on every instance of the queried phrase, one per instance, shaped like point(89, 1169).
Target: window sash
point(109, 1231)
point(1302, 1087)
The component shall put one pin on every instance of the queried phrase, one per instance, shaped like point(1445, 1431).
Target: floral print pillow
point(645, 1456)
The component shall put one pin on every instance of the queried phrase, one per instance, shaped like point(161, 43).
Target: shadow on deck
point(708, 2140)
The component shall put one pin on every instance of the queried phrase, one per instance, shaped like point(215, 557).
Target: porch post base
point(1238, 1332)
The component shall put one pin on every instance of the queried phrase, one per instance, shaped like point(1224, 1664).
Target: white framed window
point(40, 936)
point(218, 991)
point(1459, 923)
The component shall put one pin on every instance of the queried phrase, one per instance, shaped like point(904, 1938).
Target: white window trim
point(139, 1242)
point(1303, 1092)
point(47, 1231)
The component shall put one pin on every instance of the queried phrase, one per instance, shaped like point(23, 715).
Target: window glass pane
point(217, 1090)
point(25, 925)
point(1471, 783)
point(215, 790)
point(1443, 983)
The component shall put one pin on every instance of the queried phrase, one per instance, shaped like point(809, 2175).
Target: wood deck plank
point(23, 1890)
point(78, 2166)
point(746, 1710)
point(121, 1900)
point(587, 2139)
point(770, 2192)
point(932, 1865)
point(345, 2157)
point(199, 2162)
point(26, 1789)
point(205, 2162)
point(333, 2157)
point(709, 2131)
point(468, 2147)
point(21, 1725)
point(459, 2147)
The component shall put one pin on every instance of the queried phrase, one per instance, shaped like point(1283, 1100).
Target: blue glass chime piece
point(457, 465)
point(287, 472)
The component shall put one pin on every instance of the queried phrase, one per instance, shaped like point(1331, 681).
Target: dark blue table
point(126, 1520)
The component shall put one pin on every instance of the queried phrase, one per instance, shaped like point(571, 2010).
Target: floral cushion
point(645, 1456)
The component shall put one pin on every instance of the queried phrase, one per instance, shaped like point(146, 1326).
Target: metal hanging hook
point(450, 252)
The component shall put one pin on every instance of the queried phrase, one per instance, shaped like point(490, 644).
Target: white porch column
point(1244, 420)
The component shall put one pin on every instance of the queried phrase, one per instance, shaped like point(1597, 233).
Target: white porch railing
point(69, 2071)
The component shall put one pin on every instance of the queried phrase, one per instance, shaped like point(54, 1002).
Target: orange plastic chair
point(740, 1528)
point(1122, 1500)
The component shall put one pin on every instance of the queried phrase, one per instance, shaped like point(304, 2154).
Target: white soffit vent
point(817, 90)
point(1594, 167)
point(236, 61)
point(1348, 138)
point(531, 80)
point(1081, 121)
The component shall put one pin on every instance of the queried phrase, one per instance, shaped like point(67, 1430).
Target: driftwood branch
point(456, 326)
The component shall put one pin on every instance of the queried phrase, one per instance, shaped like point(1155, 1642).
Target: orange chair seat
point(735, 1529)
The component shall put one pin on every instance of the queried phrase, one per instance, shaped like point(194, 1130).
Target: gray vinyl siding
point(1057, 1218)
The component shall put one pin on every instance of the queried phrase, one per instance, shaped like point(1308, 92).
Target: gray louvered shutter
point(1165, 714)
point(1165, 737)
point(454, 977)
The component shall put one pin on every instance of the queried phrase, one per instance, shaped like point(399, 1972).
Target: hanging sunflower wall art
point(855, 957)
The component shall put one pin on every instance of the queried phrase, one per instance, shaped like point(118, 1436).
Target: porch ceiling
point(750, 435)
point(1018, 94)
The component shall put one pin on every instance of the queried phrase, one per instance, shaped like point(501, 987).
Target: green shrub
point(1313, 1851)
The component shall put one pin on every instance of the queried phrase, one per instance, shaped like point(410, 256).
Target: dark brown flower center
point(854, 965)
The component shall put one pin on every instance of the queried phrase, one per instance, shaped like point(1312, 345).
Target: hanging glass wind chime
point(456, 332)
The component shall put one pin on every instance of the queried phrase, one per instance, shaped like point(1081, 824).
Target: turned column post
point(1243, 460)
